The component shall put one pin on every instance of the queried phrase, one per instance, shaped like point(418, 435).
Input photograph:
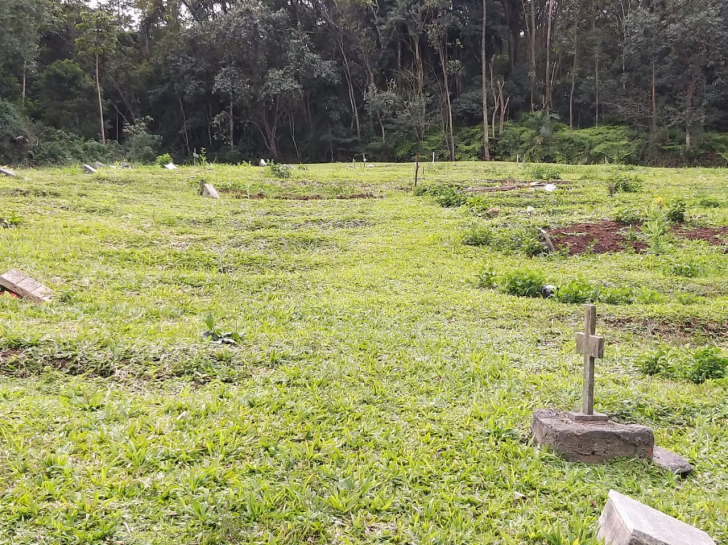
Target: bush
point(576, 291)
point(624, 183)
point(627, 216)
point(164, 159)
point(516, 239)
point(434, 190)
point(524, 283)
point(685, 268)
point(623, 295)
point(280, 171)
point(676, 211)
point(12, 125)
point(655, 230)
point(707, 363)
point(487, 278)
point(141, 146)
point(543, 172)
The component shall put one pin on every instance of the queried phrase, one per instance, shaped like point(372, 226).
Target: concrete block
point(8, 172)
point(625, 521)
point(88, 169)
point(591, 441)
point(24, 286)
point(671, 461)
point(209, 191)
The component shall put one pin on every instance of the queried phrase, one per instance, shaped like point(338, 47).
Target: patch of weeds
point(282, 172)
point(676, 211)
point(687, 269)
point(711, 202)
point(707, 363)
point(452, 199)
point(648, 296)
point(216, 336)
point(487, 277)
point(10, 221)
point(164, 159)
point(524, 283)
point(624, 183)
point(627, 216)
point(514, 239)
point(446, 195)
point(689, 299)
point(620, 295)
point(655, 229)
point(577, 290)
point(543, 172)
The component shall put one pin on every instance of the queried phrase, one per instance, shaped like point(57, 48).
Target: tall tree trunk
point(451, 132)
point(595, 30)
point(101, 104)
point(547, 100)
point(532, 54)
point(184, 127)
point(689, 113)
point(653, 125)
point(350, 85)
point(25, 65)
point(574, 67)
point(231, 125)
point(483, 63)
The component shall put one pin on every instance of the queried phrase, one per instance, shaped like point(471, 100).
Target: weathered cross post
point(592, 347)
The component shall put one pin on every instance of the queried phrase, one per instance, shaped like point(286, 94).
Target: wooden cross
point(592, 347)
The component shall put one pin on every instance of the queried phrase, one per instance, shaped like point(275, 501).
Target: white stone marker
point(209, 191)
point(88, 169)
point(25, 286)
point(170, 166)
point(625, 521)
point(8, 172)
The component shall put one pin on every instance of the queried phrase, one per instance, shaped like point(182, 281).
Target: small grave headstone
point(88, 169)
point(8, 172)
point(125, 165)
point(170, 166)
point(549, 188)
point(208, 190)
point(98, 164)
point(625, 521)
point(16, 282)
point(262, 163)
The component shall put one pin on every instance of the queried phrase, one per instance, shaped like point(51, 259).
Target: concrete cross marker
point(592, 347)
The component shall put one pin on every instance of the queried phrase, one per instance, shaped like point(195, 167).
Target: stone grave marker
point(8, 172)
point(625, 521)
point(88, 169)
point(26, 287)
point(170, 166)
point(98, 165)
point(208, 190)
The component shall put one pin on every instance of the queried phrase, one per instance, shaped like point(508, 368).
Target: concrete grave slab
point(170, 166)
point(88, 169)
point(25, 286)
point(209, 191)
point(8, 172)
point(591, 441)
point(671, 461)
point(625, 521)
point(98, 164)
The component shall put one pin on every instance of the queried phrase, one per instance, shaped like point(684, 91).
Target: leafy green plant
point(655, 230)
point(577, 290)
point(619, 295)
point(689, 298)
point(10, 221)
point(676, 211)
point(660, 361)
point(164, 159)
point(433, 190)
point(523, 282)
point(543, 172)
point(627, 216)
point(487, 277)
point(710, 202)
point(688, 269)
point(451, 199)
point(217, 336)
point(280, 171)
point(513, 239)
point(625, 183)
point(648, 296)
point(706, 363)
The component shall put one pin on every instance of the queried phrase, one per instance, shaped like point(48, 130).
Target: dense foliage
point(639, 81)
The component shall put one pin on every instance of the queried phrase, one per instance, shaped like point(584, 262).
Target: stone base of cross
point(592, 347)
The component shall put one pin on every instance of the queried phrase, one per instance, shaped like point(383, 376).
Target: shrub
point(434, 190)
point(141, 145)
point(706, 363)
point(624, 183)
point(660, 361)
point(164, 159)
point(487, 278)
point(655, 230)
point(524, 283)
point(577, 290)
point(627, 216)
point(451, 199)
point(710, 202)
point(280, 171)
point(517, 239)
point(543, 172)
point(676, 211)
point(623, 295)
point(12, 125)
point(685, 268)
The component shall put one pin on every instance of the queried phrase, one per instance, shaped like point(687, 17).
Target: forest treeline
point(579, 81)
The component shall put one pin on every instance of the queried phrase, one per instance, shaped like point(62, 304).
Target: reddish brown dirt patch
point(598, 238)
point(678, 329)
point(238, 194)
point(717, 236)
point(357, 196)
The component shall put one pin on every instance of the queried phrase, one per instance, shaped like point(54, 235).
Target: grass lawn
point(378, 393)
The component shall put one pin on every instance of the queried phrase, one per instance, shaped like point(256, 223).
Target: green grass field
point(378, 394)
